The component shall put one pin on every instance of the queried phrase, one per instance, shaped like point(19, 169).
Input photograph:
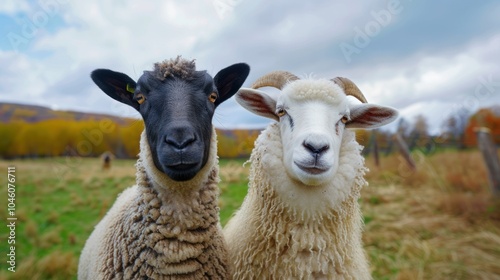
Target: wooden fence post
point(489, 151)
point(403, 149)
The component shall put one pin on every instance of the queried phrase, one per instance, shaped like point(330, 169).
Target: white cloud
point(422, 77)
point(22, 79)
point(435, 113)
point(11, 7)
point(129, 35)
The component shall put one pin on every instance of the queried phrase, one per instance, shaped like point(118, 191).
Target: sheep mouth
point(314, 170)
point(182, 171)
point(182, 166)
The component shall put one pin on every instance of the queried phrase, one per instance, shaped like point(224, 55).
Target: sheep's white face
point(312, 116)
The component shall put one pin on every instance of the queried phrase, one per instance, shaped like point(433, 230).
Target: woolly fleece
point(287, 230)
point(160, 228)
point(321, 89)
point(178, 67)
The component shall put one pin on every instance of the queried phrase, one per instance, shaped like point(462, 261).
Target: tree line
point(91, 138)
point(456, 132)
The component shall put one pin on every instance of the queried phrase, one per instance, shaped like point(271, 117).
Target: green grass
point(58, 203)
point(233, 186)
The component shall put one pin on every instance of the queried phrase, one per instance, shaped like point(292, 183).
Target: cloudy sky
point(421, 57)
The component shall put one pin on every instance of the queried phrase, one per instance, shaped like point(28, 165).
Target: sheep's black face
point(178, 119)
point(177, 112)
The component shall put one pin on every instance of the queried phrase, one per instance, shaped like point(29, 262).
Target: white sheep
point(167, 225)
point(301, 218)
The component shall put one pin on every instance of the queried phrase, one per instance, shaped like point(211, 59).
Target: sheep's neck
point(294, 248)
point(171, 235)
point(189, 208)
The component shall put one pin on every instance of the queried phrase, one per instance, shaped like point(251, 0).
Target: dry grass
point(56, 265)
point(58, 203)
point(31, 231)
point(50, 239)
point(438, 222)
point(233, 172)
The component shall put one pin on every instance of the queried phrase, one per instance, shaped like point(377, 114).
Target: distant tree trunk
point(375, 147)
point(367, 149)
point(405, 152)
point(388, 148)
point(413, 140)
point(490, 156)
point(461, 141)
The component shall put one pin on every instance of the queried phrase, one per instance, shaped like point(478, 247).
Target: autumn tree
point(453, 127)
point(486, 117)
point(236, 143)
point(419, 133)
point(404, 128)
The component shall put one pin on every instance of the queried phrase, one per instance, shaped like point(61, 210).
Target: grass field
point(438, 222)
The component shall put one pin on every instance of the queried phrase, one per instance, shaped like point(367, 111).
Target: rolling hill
point(32, 113)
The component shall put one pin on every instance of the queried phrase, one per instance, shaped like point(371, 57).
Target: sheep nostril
point(324, 149)
point(315, 149)
point(180, 143)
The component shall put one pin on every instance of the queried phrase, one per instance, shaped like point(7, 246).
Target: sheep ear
point(229, 80)
point(116, 85)
point(371, 116)
point(257, 102)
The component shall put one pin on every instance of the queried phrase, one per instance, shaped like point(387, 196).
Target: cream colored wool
point(160, 228)
point(286, 230)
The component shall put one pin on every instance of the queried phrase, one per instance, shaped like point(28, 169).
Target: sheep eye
point(280, 112)
point(212, 97)
point(140, 98)
point(344, 119)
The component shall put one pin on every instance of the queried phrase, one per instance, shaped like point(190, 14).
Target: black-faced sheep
point(167, 225)
point(301, 218)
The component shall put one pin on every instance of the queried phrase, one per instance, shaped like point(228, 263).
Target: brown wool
point(177, 67)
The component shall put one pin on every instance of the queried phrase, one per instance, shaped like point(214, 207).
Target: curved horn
point(275, 79)
point(350, 88)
